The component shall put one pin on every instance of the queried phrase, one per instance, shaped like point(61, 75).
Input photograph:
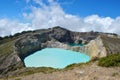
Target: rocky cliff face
point(97, 45)
point(29, 43)
point(103, 45)
point(112, 44)
point(96, 48)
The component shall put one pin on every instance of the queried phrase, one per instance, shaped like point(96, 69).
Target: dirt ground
point(87, 72)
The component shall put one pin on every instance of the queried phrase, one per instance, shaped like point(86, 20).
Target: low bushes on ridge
point(110, 61)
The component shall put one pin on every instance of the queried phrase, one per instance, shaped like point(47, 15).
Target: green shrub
point(18, 79)
point(109, 61)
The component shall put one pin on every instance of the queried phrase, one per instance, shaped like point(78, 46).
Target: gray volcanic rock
point(102, 46)
point(10, 62)
point(61, 35)
point(96, 48)
point(112, 44)
point(28, 44)
point(97, 44)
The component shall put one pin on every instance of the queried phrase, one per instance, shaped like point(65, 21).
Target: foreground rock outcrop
point(96, 44)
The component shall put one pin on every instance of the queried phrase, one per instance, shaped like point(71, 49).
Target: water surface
point(55, 57)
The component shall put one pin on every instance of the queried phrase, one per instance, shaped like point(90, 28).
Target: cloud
point(98, 23)
point(115, 26)
point(52, 14)
point(8, 27)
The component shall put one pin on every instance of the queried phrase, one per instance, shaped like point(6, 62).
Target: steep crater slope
point(13, 52)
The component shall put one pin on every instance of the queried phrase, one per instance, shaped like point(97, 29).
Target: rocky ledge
point(14, 51)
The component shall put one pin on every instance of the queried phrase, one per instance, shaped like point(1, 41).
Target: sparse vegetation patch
point(110, 61)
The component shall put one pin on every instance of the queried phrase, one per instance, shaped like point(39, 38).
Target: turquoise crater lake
point(55, 58)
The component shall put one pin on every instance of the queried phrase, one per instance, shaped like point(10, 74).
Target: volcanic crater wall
point(97, 45)
point(54, 37)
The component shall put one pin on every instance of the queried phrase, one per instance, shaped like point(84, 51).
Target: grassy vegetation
point(6, 48)
point(13, 37)
point(7, 39)
point(18, 79)
point(72, 66)
point(28, 71)
point(6, 44)
point(110, 61)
